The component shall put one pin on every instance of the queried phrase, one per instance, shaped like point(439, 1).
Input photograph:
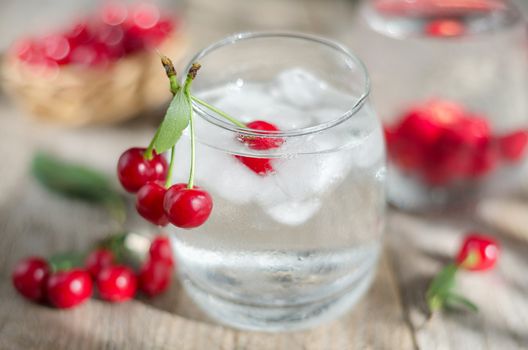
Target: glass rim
point(242, 36)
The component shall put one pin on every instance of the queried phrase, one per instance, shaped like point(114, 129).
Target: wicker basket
point(78, 96)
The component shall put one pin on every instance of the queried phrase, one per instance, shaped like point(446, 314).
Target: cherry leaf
point(175, 121)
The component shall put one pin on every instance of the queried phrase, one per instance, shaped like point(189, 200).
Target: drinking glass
point(450, 83)
point(295, 233)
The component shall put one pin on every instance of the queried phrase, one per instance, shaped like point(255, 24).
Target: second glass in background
point(450, 84)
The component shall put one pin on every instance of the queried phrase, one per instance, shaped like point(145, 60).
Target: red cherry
point(116, 283)
point(485, 160)
point(262, 143)
point(80, 34)
point(155, 277)
point(110, 35)
point(26, 50)
point(187, 208)
point(145, 15)
point(114, 13)
point(29, 278)
point(260, 166)
point(134, 171)
point(57, 48)
point(97, 260)
point(160, 250)
point(478, 252)
point(149, 203)
point(512, 147)
point(444, 28)
point(419, 128)
point(69, 288)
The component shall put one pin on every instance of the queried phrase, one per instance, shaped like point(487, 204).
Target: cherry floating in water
point(444, 28)
point(30, 276)
point(260, 166)
point(134, 171)
point(66, 289)
point(149, 203)
point(98, 260)
point(187, 207)
point(154, 277)
point(262, 143)
point(116, 283)
point(512, 147)
point(478, 252)
point(443, 143)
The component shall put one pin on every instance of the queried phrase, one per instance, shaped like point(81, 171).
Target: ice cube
point(218, 172)
point(298, 88)
point(293, 213)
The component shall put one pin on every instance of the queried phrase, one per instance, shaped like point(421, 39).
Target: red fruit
point(134, 171)
point(478, 252)
point(116, 283)
point(69, 288)
point(160, 250)
point(419, 128)
point(145, 15)
point(485, 160)
point(97, 260)
point(154, 277)
point(512, 147)
point(444, 28)
point(114, 13)
point(187, 208)
point(29, 278)
point(149, 203)
point(91, 55)
point(262, 143)
point(80, 34)
point(260, 166)
point(57, 48)
point(110, 35)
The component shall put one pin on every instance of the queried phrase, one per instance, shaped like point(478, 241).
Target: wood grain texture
point(391, 316)
point(33, 221)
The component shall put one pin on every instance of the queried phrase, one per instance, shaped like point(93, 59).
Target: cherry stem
point(190, 76)
point(150, 149)
point(190, 184)
point(175, 86)
point(219, 112)
point(168, 182)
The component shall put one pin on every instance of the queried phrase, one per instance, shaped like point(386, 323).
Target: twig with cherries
point(477, 253)
point(146, 172)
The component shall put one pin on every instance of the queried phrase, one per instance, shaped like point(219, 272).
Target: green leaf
point(454, 300)
point(444, 280)
point(78, 182)
point(440, 286)
point(66, 261)
point(175, 121)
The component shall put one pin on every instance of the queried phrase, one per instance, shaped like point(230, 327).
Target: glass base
point(281, 318)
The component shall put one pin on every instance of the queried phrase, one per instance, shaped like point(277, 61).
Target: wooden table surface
point(390, 316)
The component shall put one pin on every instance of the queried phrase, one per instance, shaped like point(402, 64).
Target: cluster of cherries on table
point(180, 205)
point(117, 32)
point(35, 278)
point(443, 144)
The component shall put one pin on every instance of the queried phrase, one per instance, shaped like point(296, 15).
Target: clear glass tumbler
point(452, 97)
point(295, 232)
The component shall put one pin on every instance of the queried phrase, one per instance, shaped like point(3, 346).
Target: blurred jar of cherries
point(100, 68)
point(450, 81)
